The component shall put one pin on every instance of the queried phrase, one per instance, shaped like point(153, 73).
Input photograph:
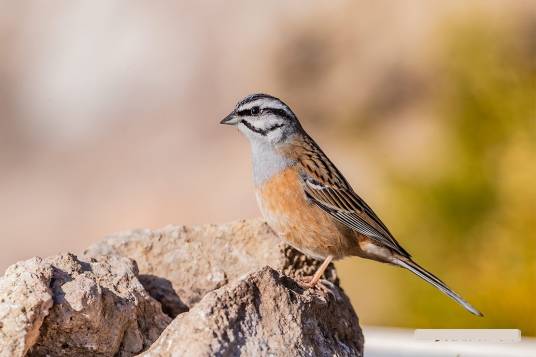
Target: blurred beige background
point(109, 118)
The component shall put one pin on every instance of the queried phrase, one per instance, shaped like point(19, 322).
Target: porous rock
point(25, 301)
point(192, 261)
point(69, 306)
point(264, 314)
point(231, 288)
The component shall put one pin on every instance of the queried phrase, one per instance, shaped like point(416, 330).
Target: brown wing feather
point(328, 189)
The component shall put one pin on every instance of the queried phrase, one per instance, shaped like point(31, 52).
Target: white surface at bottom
point(392, 342)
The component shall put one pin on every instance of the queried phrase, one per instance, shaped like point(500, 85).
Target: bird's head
point(263, 118)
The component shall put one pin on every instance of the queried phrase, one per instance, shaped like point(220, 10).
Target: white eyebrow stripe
point(277, 105)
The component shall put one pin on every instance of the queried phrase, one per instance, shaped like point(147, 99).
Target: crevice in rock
point(162, 290)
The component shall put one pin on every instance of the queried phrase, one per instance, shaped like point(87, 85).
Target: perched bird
point(307, 201)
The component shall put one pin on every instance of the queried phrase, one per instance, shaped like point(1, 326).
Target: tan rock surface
point(264, 314)
point(214, 278)
point(25, 300)
point(196, 260)
point(67, 306)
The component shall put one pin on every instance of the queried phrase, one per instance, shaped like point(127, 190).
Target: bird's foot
point(323, 285)
point(305, 282)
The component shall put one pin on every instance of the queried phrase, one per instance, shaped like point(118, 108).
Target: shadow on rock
point(162, 290)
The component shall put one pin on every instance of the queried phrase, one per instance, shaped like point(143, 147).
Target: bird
point(307, 201)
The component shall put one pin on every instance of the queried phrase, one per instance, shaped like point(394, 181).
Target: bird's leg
point(318, 273)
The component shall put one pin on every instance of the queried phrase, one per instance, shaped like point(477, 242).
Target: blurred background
point(109, 118)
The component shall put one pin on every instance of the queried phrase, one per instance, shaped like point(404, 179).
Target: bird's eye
point(255, 110)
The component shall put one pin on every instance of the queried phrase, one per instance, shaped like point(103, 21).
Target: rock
point(25, 300)
point(197, 260)
point(94, 307)
point(264, 314)
point(161, 290)
point(118, 299)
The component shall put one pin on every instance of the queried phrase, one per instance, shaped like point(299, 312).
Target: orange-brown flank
point(301, 223)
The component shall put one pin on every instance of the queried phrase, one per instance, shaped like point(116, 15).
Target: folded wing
point(349, 209)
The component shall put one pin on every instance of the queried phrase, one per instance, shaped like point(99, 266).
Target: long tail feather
point(435, 281)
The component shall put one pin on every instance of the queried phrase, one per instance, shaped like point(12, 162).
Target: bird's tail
point(435, 281)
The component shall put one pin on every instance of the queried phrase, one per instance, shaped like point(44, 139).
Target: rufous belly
point(298, 221)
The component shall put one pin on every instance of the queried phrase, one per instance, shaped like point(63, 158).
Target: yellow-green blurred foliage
point(475, 216)
point(463, 199)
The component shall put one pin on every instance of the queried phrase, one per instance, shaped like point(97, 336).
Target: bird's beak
point(230, 119)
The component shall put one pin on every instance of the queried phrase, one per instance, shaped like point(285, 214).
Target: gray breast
point(267, 162)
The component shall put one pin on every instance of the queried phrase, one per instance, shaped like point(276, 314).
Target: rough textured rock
point(25, 300)
point(214, 278)
point(196, 260)
point(264, 314)
point(95, 307)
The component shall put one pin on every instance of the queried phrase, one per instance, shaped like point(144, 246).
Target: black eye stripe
point(249, 112)
point(277, 111)
point(256, 110)
point(244, 112)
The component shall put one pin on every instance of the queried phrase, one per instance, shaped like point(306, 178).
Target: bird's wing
point(325, 186)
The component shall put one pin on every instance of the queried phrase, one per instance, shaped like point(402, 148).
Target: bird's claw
point(323, 285)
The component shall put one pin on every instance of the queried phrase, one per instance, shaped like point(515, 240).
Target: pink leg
point(319, 272)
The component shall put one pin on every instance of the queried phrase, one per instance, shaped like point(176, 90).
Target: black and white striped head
point(263, 118)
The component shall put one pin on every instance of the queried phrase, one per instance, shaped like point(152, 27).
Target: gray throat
point(267, 162)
